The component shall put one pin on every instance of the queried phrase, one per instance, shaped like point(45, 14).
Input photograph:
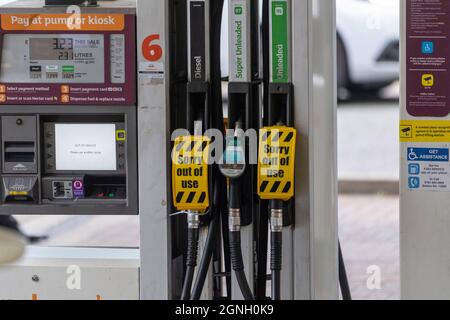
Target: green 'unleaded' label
point(280, 43)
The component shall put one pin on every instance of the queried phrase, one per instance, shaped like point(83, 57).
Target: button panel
point(117, 58)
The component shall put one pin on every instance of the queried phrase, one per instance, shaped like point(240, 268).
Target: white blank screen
point(85, 147)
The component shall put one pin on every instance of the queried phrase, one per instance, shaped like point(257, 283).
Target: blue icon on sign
point(414, 169)
point(427, 47)
point(414, 183)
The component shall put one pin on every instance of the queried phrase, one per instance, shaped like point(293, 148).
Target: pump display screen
point(53, 58)
point(85, 147)
point(51, 49)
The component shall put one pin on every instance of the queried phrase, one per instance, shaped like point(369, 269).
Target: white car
point(367, 43)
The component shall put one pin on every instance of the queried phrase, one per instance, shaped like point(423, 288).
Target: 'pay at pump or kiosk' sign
point(62, 22)
point(276, 163)
point(68, 59)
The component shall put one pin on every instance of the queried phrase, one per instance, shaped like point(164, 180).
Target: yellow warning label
point(425, 131)
point(190, 173)
point(276, 163)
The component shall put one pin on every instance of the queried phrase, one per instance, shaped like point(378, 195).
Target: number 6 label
point(151, 50)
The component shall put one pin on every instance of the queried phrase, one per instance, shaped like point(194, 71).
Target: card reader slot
point(27, 157)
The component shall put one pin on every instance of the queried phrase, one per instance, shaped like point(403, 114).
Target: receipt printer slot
point(19, 141)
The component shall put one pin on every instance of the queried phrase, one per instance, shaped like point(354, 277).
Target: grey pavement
point(369, 233)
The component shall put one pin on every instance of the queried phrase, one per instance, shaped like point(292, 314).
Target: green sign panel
point(280, 42)
point(68, 69)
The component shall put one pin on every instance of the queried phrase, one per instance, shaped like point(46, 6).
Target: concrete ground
point(369, 233)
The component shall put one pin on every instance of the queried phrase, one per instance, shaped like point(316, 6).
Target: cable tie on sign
point(179, 213)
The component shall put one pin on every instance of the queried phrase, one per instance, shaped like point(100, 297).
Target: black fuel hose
point(209, 248)
point(276, 263)
point(191, 262)
point(235, 242)
point(276, 247)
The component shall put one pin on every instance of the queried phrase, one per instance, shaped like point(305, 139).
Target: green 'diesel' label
point(280, 44)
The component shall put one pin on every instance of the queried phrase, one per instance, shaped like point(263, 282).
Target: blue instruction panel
point(428, 168)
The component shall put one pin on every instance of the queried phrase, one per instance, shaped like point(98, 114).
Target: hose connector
point(234, 220)
point(276, 220)
point(193, 220)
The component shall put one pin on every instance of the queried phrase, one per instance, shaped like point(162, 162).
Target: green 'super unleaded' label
point(280, 41)
point(239, 51)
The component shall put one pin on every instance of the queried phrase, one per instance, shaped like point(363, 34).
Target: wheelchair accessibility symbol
point(412, 156)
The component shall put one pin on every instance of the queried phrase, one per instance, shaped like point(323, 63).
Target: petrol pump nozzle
point(233, 168)
point(233, 164)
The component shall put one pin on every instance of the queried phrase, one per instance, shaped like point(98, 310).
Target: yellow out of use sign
point(430, 131)
point(276, 163)
point(190, 173)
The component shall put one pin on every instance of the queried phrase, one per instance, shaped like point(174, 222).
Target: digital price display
point(53, 58)
point(51, 49)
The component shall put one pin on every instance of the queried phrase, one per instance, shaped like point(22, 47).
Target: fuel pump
point(277, 142)
point(191, 195)
point(68, 110)
point(190, 185)
point(233, 168)
point(314, 28)
point(81, 120)
point(203, 112)
point(234, 160)
point(242, 114)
